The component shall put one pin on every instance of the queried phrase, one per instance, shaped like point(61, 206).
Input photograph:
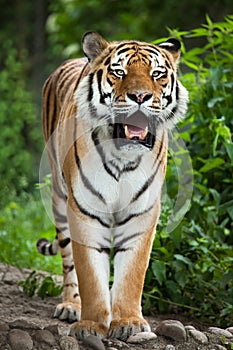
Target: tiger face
point(131, 90)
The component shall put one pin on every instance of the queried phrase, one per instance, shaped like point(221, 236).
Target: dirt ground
point(27, 323)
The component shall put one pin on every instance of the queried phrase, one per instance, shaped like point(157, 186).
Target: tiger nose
point(139, 96)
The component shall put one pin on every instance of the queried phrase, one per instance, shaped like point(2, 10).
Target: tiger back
point(105, 122)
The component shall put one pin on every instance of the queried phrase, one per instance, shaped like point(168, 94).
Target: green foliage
point(22, 223)
point(20, 139)
point(191, 267)
point(117, 20)
point(36, 283)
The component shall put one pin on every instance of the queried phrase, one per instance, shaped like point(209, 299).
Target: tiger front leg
point(130, 266)
point(92, 266)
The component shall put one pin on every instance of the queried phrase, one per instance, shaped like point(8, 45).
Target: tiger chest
point(115, 187)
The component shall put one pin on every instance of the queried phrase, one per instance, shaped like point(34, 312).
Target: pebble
point(93, 342)
point(219, 347)
point(4, 327)
point(172, 329)
point(200, 337)
point(68, 343)
point(230, 329)
point(53, 328)
point(170, 347)
point(44, 336)
point(219, 331)
point(189, 327)
point(20, 340)
point(141, 337)
point(21, 323)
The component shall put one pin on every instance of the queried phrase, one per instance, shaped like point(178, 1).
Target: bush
point(191, 267)
point(20, 139)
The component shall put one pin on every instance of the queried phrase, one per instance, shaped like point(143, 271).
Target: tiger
point(106, 119)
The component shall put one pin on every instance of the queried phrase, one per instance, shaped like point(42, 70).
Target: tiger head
point(132, 88)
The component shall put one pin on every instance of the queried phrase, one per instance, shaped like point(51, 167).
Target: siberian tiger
point(105, 121)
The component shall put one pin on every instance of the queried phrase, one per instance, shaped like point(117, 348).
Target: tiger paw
point(68, 311)
point(125, 327)
point(83, 329)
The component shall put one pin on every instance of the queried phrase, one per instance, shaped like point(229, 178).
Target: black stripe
point(109, 81)
point(101, 154)
point(146, 184)
point(54, 118)
point(70, 285)
point(154, 52)
point(167, 63)
point(50, 249)
point(107, 61)
point(68, 268)
point(120, 250)
point(99, 79)
point(160, 149)
point(128, 218)
point(70, 83)
point(177, 91)
point(61, 229)
point(126, 239)
point(64, 242)
point(90, 92)
point(87, 213)
point(64, 75)
point(85, 180)
point(102, 250)
point(123, 50)
point(59, 217)
point(80, 76)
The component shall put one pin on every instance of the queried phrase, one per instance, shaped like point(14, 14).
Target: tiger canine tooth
point(144, 133)
point(127, 133)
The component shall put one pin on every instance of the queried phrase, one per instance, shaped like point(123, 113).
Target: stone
point(93, 342)
point(116, 343)
point(199, 336)
point(141, 337)
point(68, 343)
point(230, 329)
point(53, 328)
point(219, 331)
point(172, 329)
point(44, 336)
point(219, 347)
point(4, 327)
point(19, 340)
point(22, 323)
point(170, 347)
point(189, 327)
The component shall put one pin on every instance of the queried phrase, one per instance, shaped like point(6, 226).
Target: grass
point(22, 222)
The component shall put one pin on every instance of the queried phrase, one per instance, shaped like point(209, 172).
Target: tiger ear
point(93, 44)
point(173, 46)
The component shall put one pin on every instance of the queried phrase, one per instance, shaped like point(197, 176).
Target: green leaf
point(229, 148)
point(159, 271)
point(211, 164)
point(215, 100)
point(184, 259)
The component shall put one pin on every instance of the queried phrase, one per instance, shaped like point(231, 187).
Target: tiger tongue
point(132, 131)
point(136, 126)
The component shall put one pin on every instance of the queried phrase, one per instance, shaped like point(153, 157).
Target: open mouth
point(134, 130)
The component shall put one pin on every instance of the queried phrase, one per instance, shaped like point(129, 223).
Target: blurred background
point(191, 267)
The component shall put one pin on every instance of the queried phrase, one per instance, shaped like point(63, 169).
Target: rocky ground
point(26, 323)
